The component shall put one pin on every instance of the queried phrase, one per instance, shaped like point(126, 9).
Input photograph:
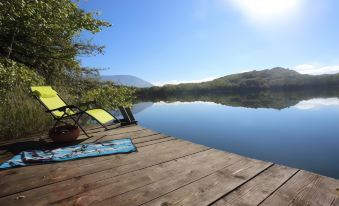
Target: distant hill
point(277, 77)
point(270, 79)
point(127, 80)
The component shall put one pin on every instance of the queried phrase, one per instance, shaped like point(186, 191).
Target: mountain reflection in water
point(297, 129)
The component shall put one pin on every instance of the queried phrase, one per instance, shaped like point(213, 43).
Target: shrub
point(110, 96)
point(14, 75)
point(20, 115)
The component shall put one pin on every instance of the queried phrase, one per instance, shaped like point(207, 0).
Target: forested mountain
point(270, 79)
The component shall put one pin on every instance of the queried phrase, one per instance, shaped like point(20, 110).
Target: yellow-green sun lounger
point(58, 108)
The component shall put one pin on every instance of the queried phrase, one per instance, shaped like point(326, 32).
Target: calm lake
point(289, 131)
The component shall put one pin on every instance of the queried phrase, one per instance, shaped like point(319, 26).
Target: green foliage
point(40, 45)
point(20, 115)
point(15, 75)
point(42, 34)
point(110, 97)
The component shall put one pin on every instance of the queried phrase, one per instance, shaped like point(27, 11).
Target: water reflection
point(181, 103)
point(141, 106)
point(298, 129)
point(317, 103)
point(265, 99)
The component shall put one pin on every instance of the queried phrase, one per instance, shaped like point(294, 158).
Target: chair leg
point(82, 129)
point(104, 126)
point(55, 124)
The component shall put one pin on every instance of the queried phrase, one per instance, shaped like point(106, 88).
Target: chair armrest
point(63, 109)
point(88, 105)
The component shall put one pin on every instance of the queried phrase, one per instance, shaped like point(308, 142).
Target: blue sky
point(173, 41)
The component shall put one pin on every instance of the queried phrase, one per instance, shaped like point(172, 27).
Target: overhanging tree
point(44, 35)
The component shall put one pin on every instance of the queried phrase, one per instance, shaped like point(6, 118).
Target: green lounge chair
point(60, 111)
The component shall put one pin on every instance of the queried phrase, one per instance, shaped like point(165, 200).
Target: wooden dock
point(164, 171)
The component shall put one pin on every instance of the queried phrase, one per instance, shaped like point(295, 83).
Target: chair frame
point(76, 116)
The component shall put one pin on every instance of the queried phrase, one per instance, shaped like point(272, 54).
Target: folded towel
point(26, 158)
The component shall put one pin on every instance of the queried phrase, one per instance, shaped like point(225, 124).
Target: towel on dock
point(26, 158)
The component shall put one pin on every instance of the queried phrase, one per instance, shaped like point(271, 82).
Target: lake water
point(302, 134)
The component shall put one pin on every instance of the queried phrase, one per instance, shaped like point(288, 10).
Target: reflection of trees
point(257, 99)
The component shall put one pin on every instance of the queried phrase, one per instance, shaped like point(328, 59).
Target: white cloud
point(317, 103)
point(265, 11)
point(180, 82)
point(316, 70)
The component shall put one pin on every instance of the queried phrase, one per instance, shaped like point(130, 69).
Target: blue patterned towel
point(26, 158)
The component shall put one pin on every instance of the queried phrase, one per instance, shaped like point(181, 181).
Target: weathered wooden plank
point(37, 136)
point(138, 135)
point(149, 138)
point(9, 150)
point(108, 136)
point(134, 135)
point(5, 156)
point(184, 171)
point(164, 171)
point(43, 136)
point(144, 144)
point(44, 139)
point(95, 136)
point(20, 179)
point(201, 191)
point(259, 188)
point(306, 188)
point(31, 172)
point(167, 152)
